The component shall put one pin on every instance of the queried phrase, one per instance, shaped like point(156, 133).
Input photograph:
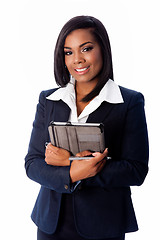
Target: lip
point(82, 71)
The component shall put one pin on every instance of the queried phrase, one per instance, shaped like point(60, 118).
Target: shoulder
point(131, 96)
point(48, 92)
point(45, 93)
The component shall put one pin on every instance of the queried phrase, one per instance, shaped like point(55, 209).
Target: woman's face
point(83, 56)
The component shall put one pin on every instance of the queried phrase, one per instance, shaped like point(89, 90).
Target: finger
point(48, 152)
point(84, 153)
point(52, 148)
point(101, 155)
point(97, 157)
point(105, 153)
point(101, 165)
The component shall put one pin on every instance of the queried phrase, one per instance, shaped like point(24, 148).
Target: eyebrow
point(80, 45)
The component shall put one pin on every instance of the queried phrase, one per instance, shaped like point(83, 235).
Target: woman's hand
point(57, 156)
point(82, 169)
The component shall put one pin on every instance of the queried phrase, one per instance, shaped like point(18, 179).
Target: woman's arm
point(131, 167)
point(50, 167)
point(83, 169)
point(53, 177)
point(57, 156)
point(80, 169)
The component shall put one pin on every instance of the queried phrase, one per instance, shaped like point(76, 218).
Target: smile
point(82, 70)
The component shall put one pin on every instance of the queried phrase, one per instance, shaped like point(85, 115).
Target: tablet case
point(77, 137)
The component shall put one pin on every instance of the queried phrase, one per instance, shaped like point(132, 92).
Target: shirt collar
point(110, 93)
point(66, 94)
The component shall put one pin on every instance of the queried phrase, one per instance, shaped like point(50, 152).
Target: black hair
point(62, 75)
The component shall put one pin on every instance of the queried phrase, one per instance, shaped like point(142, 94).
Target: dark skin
point(80, 94)
point(80, 169)
point(83, 59)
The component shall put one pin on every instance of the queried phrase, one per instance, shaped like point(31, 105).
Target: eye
point(67, 53)
point(86, 49)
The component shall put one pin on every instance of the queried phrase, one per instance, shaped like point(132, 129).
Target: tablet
point(77, 137)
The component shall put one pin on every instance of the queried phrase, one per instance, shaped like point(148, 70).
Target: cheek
point(97, 57)
point(97, 61)
point(69, 66)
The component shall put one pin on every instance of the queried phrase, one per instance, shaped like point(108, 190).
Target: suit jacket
point(102, 204)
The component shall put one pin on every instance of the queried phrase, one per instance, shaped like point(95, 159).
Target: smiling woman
point(90, 40)
point(88, 198)
point(84, 59)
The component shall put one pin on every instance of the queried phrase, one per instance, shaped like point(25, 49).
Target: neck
point(84, 88)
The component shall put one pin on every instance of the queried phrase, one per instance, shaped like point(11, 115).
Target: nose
point(78, 58)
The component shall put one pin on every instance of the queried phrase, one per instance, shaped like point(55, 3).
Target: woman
point(87, 199)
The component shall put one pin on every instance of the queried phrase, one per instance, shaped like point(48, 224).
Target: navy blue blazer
point(102, 204)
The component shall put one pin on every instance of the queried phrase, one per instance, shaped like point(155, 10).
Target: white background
point(28, 32)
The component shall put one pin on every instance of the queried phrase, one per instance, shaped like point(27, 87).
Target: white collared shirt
point(110, 93)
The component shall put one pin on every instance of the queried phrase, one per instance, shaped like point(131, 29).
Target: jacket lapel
point(101, 113)
point(61, 112)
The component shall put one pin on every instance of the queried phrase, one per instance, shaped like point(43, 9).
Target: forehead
point(79, 36)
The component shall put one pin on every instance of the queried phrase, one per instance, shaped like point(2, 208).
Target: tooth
point(81, 70)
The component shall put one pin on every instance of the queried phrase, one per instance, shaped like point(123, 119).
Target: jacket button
point(66, 187)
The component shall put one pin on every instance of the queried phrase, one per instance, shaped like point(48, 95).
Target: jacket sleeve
point(55, 178)
point(131, 167)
